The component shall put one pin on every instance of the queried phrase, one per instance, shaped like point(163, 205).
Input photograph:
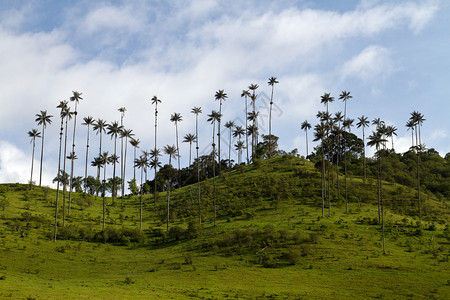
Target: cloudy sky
point(391, 55)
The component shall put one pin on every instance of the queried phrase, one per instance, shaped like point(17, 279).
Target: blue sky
point(391, 55)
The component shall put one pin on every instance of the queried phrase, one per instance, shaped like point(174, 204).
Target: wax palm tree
point(103, 160)
point(239, 132)
point(344, 96)
point(197, 111)
point(390, 132)
point(306, 126)
point(189, 138)
point(33, 134)
point(88, 121)
point(127, 134)
point(122, 111)
point(135, 143)
point(363, 122)
point(97, 163)
point(213, 118)
point(67, 115)
point(100, 128)
point(338, 118)
point(253, 117)
point(253, 97)
point(141, 163)
point(271, 82)
point(246, 93)
point(320, 135)
point(76, 97)
point(147, 155)
point(376, 139)
point(220, 96)
point(155, 101)
point(239, 146)
point(347, 124)
point(410, 126)
point(42, 119)
point(417, 118)
point(172, 152)
point(72, 157)
point(229, 125)
point(175, 118)
point(114, 130)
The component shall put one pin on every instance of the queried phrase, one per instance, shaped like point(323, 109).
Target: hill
point(270, 241)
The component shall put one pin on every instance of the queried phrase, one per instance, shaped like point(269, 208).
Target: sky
point(391, 55)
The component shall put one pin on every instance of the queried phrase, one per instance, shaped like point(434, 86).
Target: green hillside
point(270, 241)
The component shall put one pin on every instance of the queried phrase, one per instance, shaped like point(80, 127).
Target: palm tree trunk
point(140, 203)
point(190, 152)
point(323, 181)
point(87, 156)
point(178, 156)
point(229, 151)
point(42, 155)
point(64, 173)
point(124, 169)
point(270, 124)
point(114, 171)
point(307, 151)
point(329, 190)
point(364, 153)
point(155, 192)
point(169, 183)
point(418, 185)
point(103, 194)
point(198, 171)
point(381, 203)
point(99, 153)
point(32, 162)
point(73, 158)
point(214, 175)
point(246, 126)
point(55, 232)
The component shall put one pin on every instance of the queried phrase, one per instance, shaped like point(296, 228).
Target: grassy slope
point(335, 257)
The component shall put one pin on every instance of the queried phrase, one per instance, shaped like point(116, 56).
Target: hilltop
point(270, 241)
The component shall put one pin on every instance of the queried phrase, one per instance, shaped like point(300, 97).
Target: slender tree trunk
point(169, 183)
point(323, 181)
point(198, 172)
point(124, 169)
point(218, 134)
point(345, 171)
point(364, 156)
point(140, 202)
point(246, 128)
point(55, 232)
point(121, 163)
point(113, 189)
point(418, 185)
point(178, 156)
point(32, 162)
point(134, 167)
point(229, 151)
point(381, 203)
point(64, 173)
point(73, 158)
point(270, 124)
point(307, 151)
point(214, 175)
point(104, 194)
point(155, 192)
point(42, 154)
point(87, 156)
point(190, 152)
point(99, 153)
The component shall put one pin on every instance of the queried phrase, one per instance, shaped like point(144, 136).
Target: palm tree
point(344, 96)
point(253, 97)
point(33, 134)
point(410, 126)
point(114, 130)
point(88, 121)
point(197, 111)
point(67, 115)
point(221, 96)
point(103, 160)
point(70, 157)
point(229, 125)
point(146, 154)
point(319, 135)
point(125, 133)
point(363, 122)
point(122, 111)
point(376, 139)
point(176, 117)
point(141, 163)
point(246, 93)
point(271, 82)
point(253, 117)
point(135, 143)
point(338, 118)
point(76, 97)
point(43, 119)
point(172, 152)
point(306, 126)
point(189, 138)
point(100, 128)
point(154, 163)
point(238, 132)
point(213, 118)
point(155, 101)
point(390, 132)
point(347, 124)
point(239, 146)
point(417, 118)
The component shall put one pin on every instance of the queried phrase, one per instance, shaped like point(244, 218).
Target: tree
point(229, 125)
point(141, 163)
point(213, 118)
point(376, 139)
point(271, 82)
point(390, 132)
point(221, 96)
point(189, 138)
point(253, 97)
point(239, 146)
point(67, 115)
point(155, 101)
point(172, 152)
point(306, 126)
point(125, 133)
point(238, 132)
point(100, 128)
point(135, 143)
point(319, 135)
point(410, 126)
point(246, 93)
point(253, 117)
point(103, 160)
point(363, 122)
point(33, 134)
point(344, 96)
point(42, 119)
point(88, 121)
point(175, 118)
point(347, 124)
point(196, 111)
point(76, 97)
point(122, 111)
point(114, 130)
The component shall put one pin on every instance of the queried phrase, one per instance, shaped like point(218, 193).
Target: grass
point(262, 248)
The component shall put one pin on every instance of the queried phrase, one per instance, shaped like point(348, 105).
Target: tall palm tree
point(229, 125)
point(253, 117)
point(175, 118)
point(76, 97)
point(154, 163)
point(155, 101)
point(33, 134)
point(376, 139)
point(238, 132)
point(135, 143)
point(189, 138)
point(197, 111)
point(363, 122)
point(122, 111)
point(271, 82)
point(100, 128)
point(88, 121)
point(67, 115)
point(338, 118)
point(320, 135)
point(253, 97)
point(221, 96)
point(239, 146)
point(42, 119)
point(147, 155)
point(410, 126)
point(390, 132)
point(172, 152)
point(306, 126)
point(103, 161)
point(347, 124)
point(246, 93)
point(213, 118)
point(344, 96)
point(141, 163)
point(114, 130)
point(127, 134)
